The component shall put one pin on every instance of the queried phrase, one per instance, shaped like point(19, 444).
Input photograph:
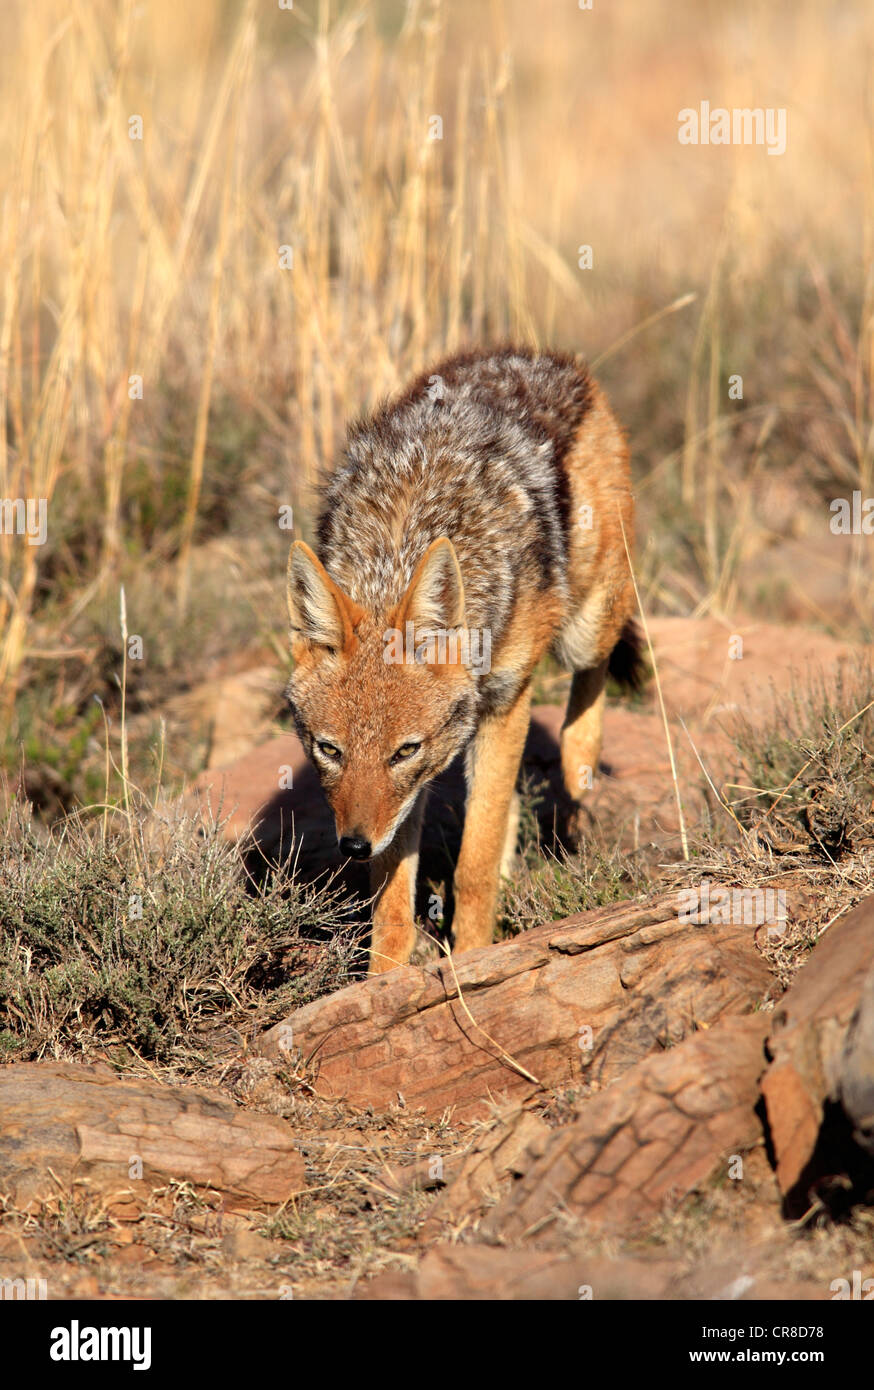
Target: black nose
point(354, 846)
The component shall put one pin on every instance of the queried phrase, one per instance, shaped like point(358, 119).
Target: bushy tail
point(627, 663)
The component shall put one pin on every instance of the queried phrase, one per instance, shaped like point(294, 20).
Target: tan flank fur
point(486, 504)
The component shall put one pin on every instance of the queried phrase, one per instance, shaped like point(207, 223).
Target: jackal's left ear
point(319, 612)
point(435, 596)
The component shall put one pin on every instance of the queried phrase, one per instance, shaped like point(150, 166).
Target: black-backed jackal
point(472, 525)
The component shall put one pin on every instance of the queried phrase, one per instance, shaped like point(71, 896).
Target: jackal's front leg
point(493, 764)
point(393, 885)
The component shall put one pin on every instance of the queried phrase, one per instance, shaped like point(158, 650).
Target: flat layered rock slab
point(703, 682)
point(647, 1141)
point(821, 1046)
point(579, 1000)
point(66, 1124)
point(477, 1272)
point(488, 1272)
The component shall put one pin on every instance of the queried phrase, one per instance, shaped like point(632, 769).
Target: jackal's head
point(382, 701)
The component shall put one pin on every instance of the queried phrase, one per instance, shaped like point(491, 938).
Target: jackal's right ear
point(319, 613)
point(435, 597)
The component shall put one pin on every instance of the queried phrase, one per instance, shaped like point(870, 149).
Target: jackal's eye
point(405, 751)
point(329, 750)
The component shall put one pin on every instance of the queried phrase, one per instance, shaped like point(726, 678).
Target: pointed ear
point(319, 612)
point(435, 596)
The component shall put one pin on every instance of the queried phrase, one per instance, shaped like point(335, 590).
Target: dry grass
point(139, 952)
point(802, 812)
point(551, 884)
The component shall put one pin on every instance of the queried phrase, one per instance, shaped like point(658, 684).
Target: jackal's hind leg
point(581, 733)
